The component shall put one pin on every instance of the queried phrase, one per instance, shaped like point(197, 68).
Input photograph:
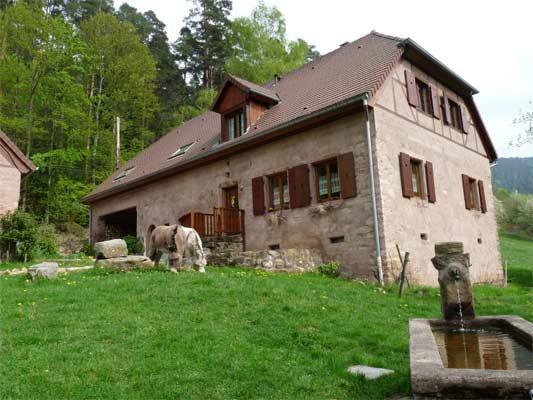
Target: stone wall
point(286, 260)
point(415, 224)
point(313, 227)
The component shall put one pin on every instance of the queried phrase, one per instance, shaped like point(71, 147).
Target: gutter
point(375, 222)
point(233, 145)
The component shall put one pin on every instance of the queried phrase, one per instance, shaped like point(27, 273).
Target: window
point(455, 115)
point(424, 97)
point(472, 186)
point(278, 192)
point(124, 173)
point(236, 124)
point(416, 178)
point(181, 151)
point(327, 180)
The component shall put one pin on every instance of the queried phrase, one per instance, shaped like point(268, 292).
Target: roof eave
point(416, 53)
point(228, 147)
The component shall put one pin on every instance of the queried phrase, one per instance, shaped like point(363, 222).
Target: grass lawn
point(229, 333)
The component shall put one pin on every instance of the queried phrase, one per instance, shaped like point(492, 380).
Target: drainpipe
point(377, 243)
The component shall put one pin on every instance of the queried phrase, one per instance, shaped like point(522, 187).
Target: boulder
point(125, 263)
point(48, 270)
point(369, 372)
point(111, 249)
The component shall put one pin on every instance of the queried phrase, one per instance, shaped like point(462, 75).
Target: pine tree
point(203, 45)
point(170, 83)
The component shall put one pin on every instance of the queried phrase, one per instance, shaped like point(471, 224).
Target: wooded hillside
point(69, 68)
point(514, 174)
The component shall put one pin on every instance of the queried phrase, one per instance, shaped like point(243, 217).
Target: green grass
point(229, 333)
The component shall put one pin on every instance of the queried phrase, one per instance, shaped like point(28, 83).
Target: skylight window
point(124, 173)
point(181, 151)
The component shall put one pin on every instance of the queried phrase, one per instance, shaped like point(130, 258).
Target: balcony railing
point(223, 221)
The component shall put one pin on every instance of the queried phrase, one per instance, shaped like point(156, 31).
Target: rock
point(125, 263)
point(47, 270)
point(111, 249)
point(369, 372)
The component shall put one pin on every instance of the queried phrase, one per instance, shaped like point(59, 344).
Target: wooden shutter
point(445, 110)
point(430, 181)
point(482, 199)
point(347, 175)
point(258, 195)
point(406, 173)
point(299, 191)
point(435, 101)
point(224, 135)
point(464, 119)
point(466, 190)
point(412, 95)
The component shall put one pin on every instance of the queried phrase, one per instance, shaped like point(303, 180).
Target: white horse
point(183, 246)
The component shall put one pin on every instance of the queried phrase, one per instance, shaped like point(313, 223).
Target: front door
point(231, 197)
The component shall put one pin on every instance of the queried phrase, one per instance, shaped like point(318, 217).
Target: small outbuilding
point(14, 165)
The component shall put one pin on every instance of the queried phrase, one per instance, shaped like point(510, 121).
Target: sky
point(487, 42)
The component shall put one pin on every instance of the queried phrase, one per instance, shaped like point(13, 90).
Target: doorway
point(231, 197)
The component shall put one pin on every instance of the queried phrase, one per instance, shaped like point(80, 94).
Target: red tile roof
point(353, 69)
point(20, 161)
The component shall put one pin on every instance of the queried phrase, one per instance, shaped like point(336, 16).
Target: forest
point(69, 68)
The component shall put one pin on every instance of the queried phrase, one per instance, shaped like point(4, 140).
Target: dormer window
point(124, 173)
point(236, 124)
point(181, 151)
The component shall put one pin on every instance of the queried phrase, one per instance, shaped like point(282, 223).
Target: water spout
point(454, 281)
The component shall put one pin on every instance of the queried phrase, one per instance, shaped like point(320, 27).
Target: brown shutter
point(347, 175)
point(430, 181)
point(435, 101)
point(299, 192)
point(482, 199)
point(464, 119)
point(446, 110)
point(224, 135)
point(406, 173)
point(412, 95)
point(258, 195)
point(466, 190)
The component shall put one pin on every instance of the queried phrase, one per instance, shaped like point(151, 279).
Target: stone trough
point(464, 357)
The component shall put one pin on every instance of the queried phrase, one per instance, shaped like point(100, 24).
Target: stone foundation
point(283, 260)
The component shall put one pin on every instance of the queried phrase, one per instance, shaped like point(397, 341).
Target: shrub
point(135, 244)
point(515, 212)
point(22, 238)
point(330, 269)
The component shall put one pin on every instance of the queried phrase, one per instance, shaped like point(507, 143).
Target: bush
point(330, 269)
point(515, 212)
point(22, 238)
point(135, 244)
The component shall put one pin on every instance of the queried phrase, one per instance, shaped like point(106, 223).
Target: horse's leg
point(155, 257)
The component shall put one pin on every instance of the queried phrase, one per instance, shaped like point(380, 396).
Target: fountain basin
point(443, 374)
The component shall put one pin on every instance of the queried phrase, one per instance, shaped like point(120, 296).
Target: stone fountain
point(464, 357)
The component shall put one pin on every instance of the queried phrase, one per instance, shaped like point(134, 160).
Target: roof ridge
point(330, 53)
point(383, 35)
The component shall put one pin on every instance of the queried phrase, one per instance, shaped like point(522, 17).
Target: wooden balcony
point(223, 221)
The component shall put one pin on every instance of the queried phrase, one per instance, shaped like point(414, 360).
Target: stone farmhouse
point(14, 165)
point(375, 144)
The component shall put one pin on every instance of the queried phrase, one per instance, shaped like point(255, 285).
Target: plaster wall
point(402, 128)
point(201, 189)
point(9, 186)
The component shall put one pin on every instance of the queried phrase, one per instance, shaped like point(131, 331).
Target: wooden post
point(243, 231)
point(401, 263)
point(404, 267)
point(192, 220)
point(505, 274)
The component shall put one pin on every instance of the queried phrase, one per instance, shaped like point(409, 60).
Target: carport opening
point(120, 224)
